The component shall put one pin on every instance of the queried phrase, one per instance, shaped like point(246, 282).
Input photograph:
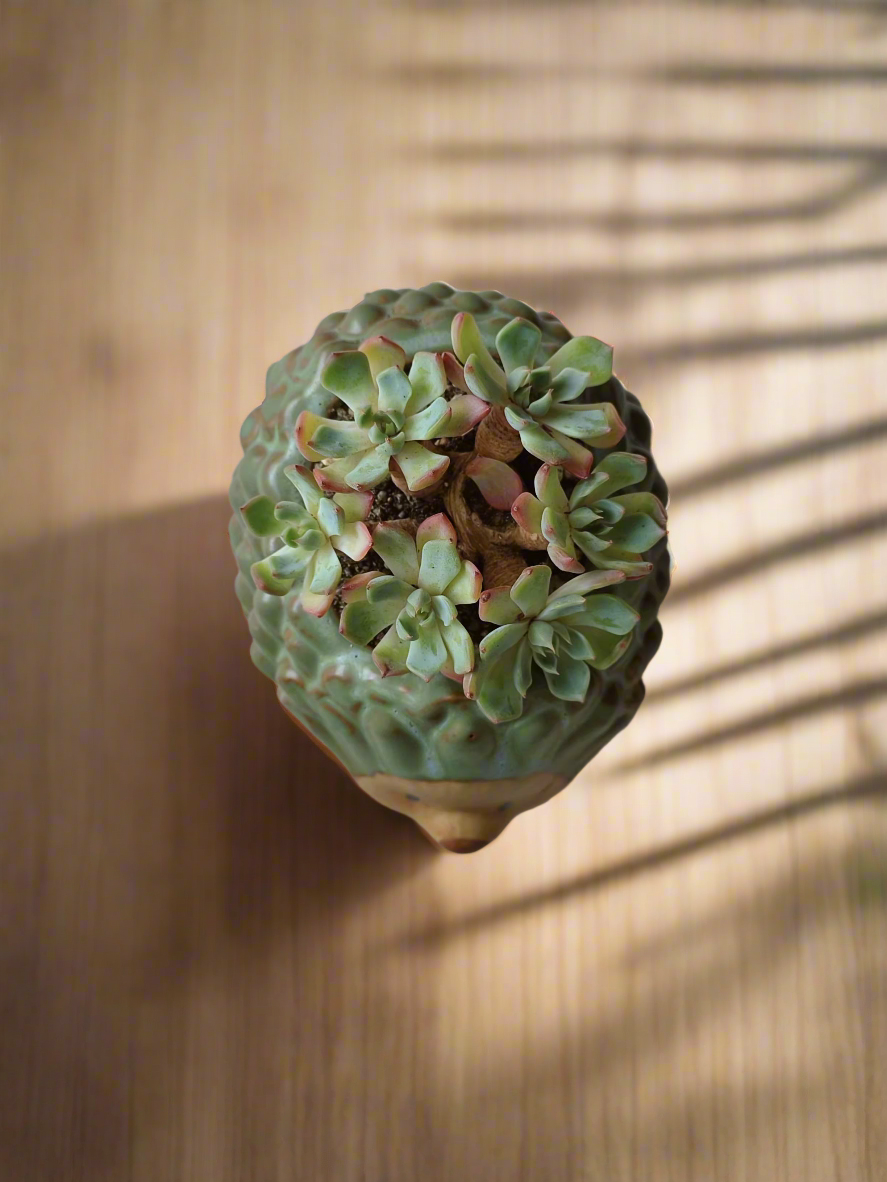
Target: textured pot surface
point(421, 748)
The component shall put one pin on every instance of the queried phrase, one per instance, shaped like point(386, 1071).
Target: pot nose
point(463, 832)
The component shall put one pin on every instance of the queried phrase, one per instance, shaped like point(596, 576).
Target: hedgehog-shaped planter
point(451, 543)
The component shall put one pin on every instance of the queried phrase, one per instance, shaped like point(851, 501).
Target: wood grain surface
point(222, 963)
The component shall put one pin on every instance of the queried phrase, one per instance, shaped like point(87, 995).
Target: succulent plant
point(394, 414)
point(564, 633)
point(313, 529)
point(535, 401)
point(416, 603)
point(611, 532)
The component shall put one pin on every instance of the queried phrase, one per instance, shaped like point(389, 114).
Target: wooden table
point(221, 963)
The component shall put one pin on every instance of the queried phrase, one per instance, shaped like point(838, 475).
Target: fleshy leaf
point(421, 468)
point(314, 602)
point(332, 476)
point(527, 512)
point(530, 589)
point(335, 438)
point(541, 634)
point(468, 342)
point(608, 648)
point(523, 670)
point(570, 680)
point(549, 489)
point(621, 469)
point(304, 481)
point(329, 516)
point(390, 654)
point(430, 422)
point(428, 379)
point(382, 353)
point(587, 582)
point(606, 612)
point(439, 565)
point(579, 459)
point(494, 687)
point(394, 390)
point(348, 376)
point(556, 528)
point(371, 469)
point(466, 587)
point(644, 502)
point(356, 506)
point(266, 580)
point(568, 384)
point(587, 354)
point(543, 446)
point(497, 607)
point(427, 653)
point(437, 528)
point(397, 549)
point(326, 573)
point(502, 639)
point(454, 373)
point(355, 540)
point(636, 533)
point(556, 609)
point(362, 620)
point(286, 562)
point(466, 412)
point(481, 384)
point(388, 589)
point(460, 646)
point(517, 343)
point(356, 587)
point(258, 513)
point(499, 485)
point(564, 557)
point(587, 422)
point(444, 609)
point(577, 645)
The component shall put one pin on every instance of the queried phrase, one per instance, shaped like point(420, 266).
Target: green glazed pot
point(424, 749)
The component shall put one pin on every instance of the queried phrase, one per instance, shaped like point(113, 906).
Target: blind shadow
point(202, 833)
point(862, 788)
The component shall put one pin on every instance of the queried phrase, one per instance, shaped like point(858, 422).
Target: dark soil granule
point(392, 504)
point(339, 411)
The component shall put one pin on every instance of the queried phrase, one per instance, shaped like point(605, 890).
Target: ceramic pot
point(424, 749)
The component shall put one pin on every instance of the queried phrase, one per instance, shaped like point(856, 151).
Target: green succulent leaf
point(266, 580)
point(608, 649)
point(587, 354)
point(388, 589)
point(397, 549)
point(643, 502)
point(606, 612)
point(260, 517)
point(482, 384)
point(466, 586)
point(428, 423)
point(580, 422)
point(502, 639)
point(336, 438)
point(348, 376)
point(421, 468)
point(440, 564)
point(330, 517)
point(523, 669)
point(286, 562)
point(459, 645)
point(556, 527)
point(428, 380)
point(636, 533)
point(570, 679)
point(468, 343)
point(517, 343)
point(390, 654)
point(539, 443)
point(527, 512)
point(362, 620)
point(497, 607)
point(494, 686)
point(382, 354)
point(394, 391)
point(325, 573)
point(541, 635)
point(530, 590)
point(568, 384)
point(355, 540)
point(428, 653)
point(370, 470)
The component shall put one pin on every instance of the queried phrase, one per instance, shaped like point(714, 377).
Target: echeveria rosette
point(394, 414)
point(312, 530)
point(611, 532)
point(565, 634)
point(416, 603)
point(538, 401)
